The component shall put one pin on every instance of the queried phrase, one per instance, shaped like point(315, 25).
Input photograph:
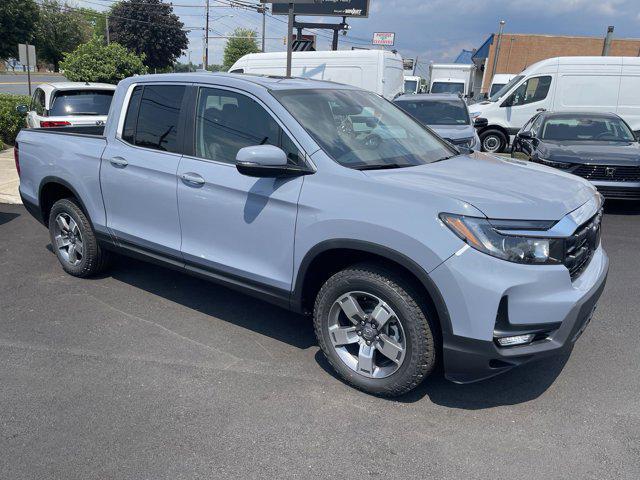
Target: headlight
point(473, 115)
point(483, 235)
point(551, 163)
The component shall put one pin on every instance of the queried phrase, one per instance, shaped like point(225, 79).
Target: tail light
point(47, 124)
point(16, 157)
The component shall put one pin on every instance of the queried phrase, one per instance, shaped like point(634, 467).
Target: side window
point(157, 119)
point(227, 121)
point(534, 89)
point(37, 103)
point(131, 118)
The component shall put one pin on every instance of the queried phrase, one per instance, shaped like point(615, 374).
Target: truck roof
point(270, 82)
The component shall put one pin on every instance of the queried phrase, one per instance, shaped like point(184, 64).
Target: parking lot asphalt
point(149, 373)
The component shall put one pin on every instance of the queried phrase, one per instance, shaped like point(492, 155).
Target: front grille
point(612, 173)
point(620, 192)
point(580, 246)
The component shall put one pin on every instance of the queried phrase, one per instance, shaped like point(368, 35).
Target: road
point(149, 373)
point(17, 83)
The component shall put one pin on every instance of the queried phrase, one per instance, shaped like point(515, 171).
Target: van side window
point(130, 120)
point(156, 122)
point(227, 121)
point(534, 89)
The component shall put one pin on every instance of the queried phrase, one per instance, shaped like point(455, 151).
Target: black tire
point(420, 352)
point(94, 258)
point(493, 141)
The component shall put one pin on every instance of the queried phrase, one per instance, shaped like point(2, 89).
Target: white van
point(412, 84)
point(379, 71)
point(576, 84)
point(452, 78)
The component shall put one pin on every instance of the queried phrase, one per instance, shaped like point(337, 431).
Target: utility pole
point(264, 26)
point(497, 49)
point(206, 41)
point(607, 41)
point(289, 39)
point(106, 29)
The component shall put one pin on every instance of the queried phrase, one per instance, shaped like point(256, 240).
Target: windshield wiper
point(382, 166)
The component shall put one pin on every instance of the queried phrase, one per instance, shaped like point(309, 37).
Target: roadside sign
point(27, 56)
point(384, 38)
point(22, 54)
point(325, 8)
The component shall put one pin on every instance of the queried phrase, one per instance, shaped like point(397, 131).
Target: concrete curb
point(9, 180)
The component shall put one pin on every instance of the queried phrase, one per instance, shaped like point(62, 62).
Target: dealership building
point(515, 52)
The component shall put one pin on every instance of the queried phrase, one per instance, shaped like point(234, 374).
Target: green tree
point(244, 41)
point(59, 30)
point(149, 27)
point(17, 23)
point(96, 62)
point(96, 19)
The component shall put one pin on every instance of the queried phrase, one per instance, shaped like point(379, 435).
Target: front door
point(531, 97)
point(138, 173)
point(232, 225)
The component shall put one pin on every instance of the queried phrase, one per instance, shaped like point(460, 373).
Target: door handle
point(192, 179)
point(118, 162)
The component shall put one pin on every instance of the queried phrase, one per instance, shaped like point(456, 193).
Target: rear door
point(138, 174)
point(233, 225)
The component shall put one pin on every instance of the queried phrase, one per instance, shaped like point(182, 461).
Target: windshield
point(81, 102)
point(586, 128)
point(495, 88)
point(447, 87)
point(437, 112)
point(497, 95)
point(362, 130)
point(410, 86)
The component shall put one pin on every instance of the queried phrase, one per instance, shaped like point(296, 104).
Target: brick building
point(518, 51)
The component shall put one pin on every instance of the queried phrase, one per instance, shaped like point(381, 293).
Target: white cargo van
point(379, 71)
point(576, 84)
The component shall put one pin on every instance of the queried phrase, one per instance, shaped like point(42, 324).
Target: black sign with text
point(326, 8)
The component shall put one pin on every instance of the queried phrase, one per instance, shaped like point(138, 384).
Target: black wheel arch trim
point(381, 251)
point(53, 179)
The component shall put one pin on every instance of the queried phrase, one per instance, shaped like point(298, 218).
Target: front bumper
point(475, 285)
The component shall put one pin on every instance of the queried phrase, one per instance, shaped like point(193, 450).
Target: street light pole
point(264, 26)
point(497, 49)
point(289, 41)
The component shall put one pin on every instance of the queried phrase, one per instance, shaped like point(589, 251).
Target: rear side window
point(81, 102)
point(152, 117)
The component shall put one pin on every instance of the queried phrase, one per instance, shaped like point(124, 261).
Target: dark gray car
point(600, 147)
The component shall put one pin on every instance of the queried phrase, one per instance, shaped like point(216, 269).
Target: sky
point(432, 30)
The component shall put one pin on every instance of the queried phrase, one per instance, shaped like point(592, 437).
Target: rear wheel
point(493, 141)
point(373, 331)
point(74, 240)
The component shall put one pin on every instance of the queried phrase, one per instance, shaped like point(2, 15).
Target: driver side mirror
point(525, 135)
point(266, 161)
point(22, 109)
point(480, 122)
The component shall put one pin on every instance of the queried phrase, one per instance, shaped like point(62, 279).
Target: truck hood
point(453, 132)
point(593, 153)
point(499, 188)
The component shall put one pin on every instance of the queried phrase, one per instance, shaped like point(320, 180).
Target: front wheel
point(373, 332)
point(493, 141)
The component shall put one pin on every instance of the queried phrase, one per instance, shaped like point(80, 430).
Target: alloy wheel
point(68, 239)
point(367, 334)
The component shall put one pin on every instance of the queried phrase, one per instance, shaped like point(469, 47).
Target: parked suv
point(404, 250)
point(446, 114)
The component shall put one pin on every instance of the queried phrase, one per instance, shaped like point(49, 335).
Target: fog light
point(515, 340)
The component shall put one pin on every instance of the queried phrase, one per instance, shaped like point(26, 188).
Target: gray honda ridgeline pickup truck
point(328, 200)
